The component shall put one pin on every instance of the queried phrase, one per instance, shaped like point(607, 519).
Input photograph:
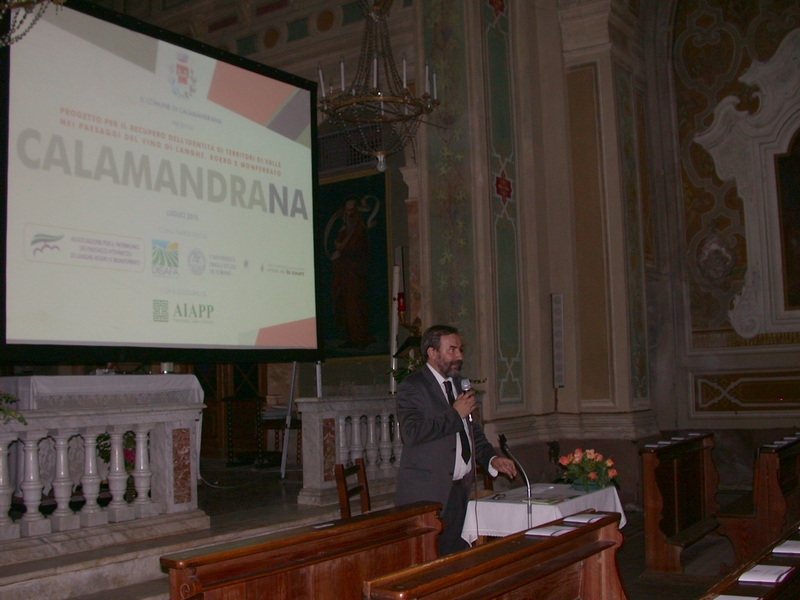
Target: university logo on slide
point(181, 77)
point(164, 258)
point(161, 311)
point(197, 261)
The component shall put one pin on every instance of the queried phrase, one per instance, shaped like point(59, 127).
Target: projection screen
point(159, 197)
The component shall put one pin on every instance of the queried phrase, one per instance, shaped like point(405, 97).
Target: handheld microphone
point(466, 385)
point(504, 448)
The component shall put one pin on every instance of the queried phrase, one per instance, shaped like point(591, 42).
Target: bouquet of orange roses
point(588, 468)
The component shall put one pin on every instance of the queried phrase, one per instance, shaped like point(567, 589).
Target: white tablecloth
point(101, 391)
point(507, 512)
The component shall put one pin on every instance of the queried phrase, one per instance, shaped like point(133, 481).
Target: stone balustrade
point(341, 429)
point(57, 450)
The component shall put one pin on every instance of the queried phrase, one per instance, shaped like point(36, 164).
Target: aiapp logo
point(193, 312)
point(161, 311)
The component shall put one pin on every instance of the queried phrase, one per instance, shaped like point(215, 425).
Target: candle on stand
point(405, 81)
point(375, 71)
point(435, 95)
point(341, 71)
point(427, 83)
point(321, 82)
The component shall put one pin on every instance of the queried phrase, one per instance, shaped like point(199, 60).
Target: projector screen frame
point(34, 353)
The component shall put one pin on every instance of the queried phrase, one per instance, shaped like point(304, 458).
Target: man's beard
point(450, 369)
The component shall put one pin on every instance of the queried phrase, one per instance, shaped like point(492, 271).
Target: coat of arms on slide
point(181, 77)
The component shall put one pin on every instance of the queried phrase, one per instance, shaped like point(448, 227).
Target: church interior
point(604, 200)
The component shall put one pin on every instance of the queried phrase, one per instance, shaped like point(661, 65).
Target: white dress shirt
point(461, 468)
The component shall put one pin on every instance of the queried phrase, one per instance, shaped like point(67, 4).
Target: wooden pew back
point(680, 483)
point(326, 561)
point(787, 589)
point(579, 565)
point(758, 519)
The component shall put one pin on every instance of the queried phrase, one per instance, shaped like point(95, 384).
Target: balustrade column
point(142, 475)
point(33, 522)
point(385, 443)
point(91, 514)
point(118, 509)
point(397, 443)
point(63, 519)
point(356, 445)
point(343, 450)
point(372, 443)
point(8, 529)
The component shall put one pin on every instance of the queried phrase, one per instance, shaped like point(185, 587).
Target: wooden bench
point(326, 561)
point(680, 482)
point(581, 565)
point(756, 520)
point(787, 589)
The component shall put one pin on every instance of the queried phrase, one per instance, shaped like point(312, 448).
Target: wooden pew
point(326, 561)
point(680, 483)
point(581, 565)
point(787, 589)
point(756, 520)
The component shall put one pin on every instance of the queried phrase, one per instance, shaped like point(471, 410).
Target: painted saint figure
point(350, 264)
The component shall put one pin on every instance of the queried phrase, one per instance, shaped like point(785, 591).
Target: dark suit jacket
point(428, 427)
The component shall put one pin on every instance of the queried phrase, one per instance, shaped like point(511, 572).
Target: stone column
point(63, 519)
point(118, 509)
point(33, 522)
point(92, 514)
point(142, 475)
point(8, 529)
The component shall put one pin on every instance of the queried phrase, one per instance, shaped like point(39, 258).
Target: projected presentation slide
point(156, 197)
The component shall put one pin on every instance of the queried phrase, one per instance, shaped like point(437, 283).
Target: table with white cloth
point(505, 513)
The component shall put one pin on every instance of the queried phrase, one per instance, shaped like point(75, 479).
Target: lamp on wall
point(21, 15)
point(377, 112)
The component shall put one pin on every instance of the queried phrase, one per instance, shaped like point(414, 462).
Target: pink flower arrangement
point(588, 467)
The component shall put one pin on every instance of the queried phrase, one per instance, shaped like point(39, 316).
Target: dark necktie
point(465, 451)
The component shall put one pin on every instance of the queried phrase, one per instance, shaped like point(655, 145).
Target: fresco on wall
point(353, 275)
point(629, 171)
point(452, 294)
point(503, 193)
point(713, 45)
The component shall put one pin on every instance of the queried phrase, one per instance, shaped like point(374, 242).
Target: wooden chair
point(359, 489)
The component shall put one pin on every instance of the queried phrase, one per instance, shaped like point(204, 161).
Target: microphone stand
point(504, 448)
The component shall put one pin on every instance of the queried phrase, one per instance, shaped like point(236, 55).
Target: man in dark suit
point(440, 444)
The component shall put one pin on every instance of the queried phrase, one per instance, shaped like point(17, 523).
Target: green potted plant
point(8, 410)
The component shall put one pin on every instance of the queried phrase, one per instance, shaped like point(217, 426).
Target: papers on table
point(550, 530)
point(731, 597)
point(583, 518)
point(787, 547)
point(550, 499)
point(764, 574)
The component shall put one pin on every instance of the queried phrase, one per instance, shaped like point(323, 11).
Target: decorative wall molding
point(743, 146)
point(748, 392)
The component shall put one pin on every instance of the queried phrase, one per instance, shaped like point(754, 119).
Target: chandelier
point(377, 112)
point(21, 15)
